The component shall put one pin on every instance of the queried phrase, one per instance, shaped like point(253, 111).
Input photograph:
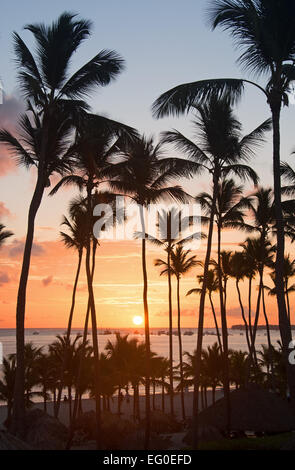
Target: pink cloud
point(17, 249)
point(4, 211)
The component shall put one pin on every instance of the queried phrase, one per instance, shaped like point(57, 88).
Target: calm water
point(159, 342)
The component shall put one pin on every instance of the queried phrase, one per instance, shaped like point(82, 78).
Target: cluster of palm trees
point(121, 368)
point(104, 158)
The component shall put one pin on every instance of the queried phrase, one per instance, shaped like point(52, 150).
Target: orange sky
point(117, 286)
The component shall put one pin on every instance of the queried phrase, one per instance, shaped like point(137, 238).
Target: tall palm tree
point(96, 141)
point(260, 251)
point(4, 234)
point(229, 213)
point(264, 30)
point(169, 222)
point(181, 263)
point(75, 237)
point(212, 286)
point(221, 151)
point(238, 272)
point(56, 103)
point(143, 176)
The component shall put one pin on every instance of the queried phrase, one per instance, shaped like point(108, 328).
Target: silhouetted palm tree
point(212, 286)
point(7, 384)
point(181, 263)
point(264, 30)
point(143, 176)
point(96, 141)
point(55, 105)
point(4, 234)
point(238, 272)
point(220, 152)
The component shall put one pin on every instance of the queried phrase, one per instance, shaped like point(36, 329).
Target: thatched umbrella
point(45, 432)
point(252, 409)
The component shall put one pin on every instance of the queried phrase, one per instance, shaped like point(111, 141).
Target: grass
point(253, 443)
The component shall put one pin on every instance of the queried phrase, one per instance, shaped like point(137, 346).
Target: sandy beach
point(126, 408)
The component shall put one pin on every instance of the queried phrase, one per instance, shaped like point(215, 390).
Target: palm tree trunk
point(68, 335)
point(18, 416)
point(249, 307)
point(147, 336)
point(85, 332)
point(288, 301)
point(215, 321)
point(284, 324)
point(224, 337)
point(93, 317)
point(268, 341)
point(180, 349)
point(201, 321)
point(170, 333)
point(243, 316)
point(163, 395)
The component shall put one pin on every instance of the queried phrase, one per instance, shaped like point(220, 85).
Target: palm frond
point(182, 98)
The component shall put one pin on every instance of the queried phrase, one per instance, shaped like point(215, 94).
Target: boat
point(36, 333)
point(188, 333)
point(161, 332)
point(107, 332)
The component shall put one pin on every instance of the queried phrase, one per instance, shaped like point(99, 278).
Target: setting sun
point(137, 320)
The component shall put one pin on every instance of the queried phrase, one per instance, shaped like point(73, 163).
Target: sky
point(164, 44)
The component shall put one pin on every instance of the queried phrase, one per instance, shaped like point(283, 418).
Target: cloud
point(186, 312)
point(10, 109)
point(17, 248)
point(4, 212)
point(47, 280)
point(4, 278)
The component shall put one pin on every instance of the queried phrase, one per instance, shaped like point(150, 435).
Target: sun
point(137, 320)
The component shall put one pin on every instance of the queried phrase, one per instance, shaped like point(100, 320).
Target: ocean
point(159, 339)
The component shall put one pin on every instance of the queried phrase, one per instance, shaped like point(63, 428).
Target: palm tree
point(143, 176)
point(181, 263)
point(74, 238)
point(238, 272)
point(264, 30)
point(212, 286)
point(169, 222)
point(238, 368)
point(228, 214)
point(7, 384)
point(212, 366)
point(261, 252)
point(96, 141)
point(220, 152)
point(4, 234)
point(56, 102)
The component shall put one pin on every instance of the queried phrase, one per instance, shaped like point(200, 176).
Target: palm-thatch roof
point(45, 432)
point(252, 409)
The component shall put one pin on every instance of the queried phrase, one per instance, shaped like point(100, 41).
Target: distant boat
point(35, 332)
point(188, 333)
point(107, 332)
point(161, 332)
